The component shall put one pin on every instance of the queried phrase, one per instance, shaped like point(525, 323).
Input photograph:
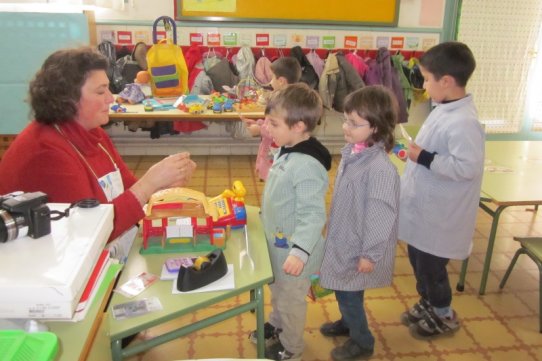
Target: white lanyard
point(111, 183)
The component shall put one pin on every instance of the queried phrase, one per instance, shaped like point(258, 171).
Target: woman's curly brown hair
point(56, 87)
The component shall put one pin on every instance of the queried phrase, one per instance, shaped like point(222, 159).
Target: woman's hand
point(173, 171)
point(293, 266)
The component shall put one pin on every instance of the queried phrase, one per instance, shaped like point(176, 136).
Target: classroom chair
point(532, 247)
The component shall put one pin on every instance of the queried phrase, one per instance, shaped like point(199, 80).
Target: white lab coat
point(438, 206)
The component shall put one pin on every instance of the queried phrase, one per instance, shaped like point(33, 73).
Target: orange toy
point(143, 77)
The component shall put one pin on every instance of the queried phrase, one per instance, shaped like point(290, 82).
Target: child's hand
point(413, 151)
point(365, 266)
point(254, 130)
point(293, 266)
point(247, 121)
point(252, 126)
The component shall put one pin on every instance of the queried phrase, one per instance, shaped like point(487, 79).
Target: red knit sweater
point(41, 159)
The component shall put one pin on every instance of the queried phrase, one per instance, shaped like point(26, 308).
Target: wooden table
point(174, 306)
point(512, 177)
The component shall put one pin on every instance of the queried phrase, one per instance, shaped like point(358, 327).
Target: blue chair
point(532, 247)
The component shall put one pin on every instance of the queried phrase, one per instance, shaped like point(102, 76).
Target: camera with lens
point(24, 214)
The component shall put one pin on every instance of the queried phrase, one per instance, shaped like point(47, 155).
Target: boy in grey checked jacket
point(362, 229)
point(293, 214)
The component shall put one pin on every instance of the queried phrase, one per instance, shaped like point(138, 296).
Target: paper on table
point(227, 282)
point(404, 133)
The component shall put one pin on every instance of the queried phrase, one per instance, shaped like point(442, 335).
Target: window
point(503, 36)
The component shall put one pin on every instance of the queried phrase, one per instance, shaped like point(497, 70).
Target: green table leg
point(462, 275)
point(260, 320)
point(491, 242)
point(116, 350)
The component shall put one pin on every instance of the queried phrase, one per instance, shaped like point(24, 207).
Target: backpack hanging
point(116, 80)
point(166, 63)
point(133, 63)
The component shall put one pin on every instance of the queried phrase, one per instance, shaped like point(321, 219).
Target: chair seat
point(532, 247)
point(533, 244)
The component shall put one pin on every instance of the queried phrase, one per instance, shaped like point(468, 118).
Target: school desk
point(247, 280)
point(512, 177)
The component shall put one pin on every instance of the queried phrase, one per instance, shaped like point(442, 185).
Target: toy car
point(196, 108)
point(228, 106)
point(117, 108)
point(217, 108)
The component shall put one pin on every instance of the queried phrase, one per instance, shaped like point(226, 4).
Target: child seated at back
point(286, 70)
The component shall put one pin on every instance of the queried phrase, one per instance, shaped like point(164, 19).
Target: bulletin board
point(350, 12)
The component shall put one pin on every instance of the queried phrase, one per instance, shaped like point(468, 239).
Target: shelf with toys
point(164, 109)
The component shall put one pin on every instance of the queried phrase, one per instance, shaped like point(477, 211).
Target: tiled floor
point(501, 325)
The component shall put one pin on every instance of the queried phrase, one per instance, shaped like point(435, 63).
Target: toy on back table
point(185, 220)
point(117, 108)
point(192, 104)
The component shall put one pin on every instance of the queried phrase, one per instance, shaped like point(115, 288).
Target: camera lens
point(10, 226)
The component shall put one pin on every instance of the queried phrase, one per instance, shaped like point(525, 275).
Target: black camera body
point(24, 214)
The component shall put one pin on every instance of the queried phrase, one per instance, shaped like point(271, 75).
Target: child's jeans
point(353, 315)
point(432, 281)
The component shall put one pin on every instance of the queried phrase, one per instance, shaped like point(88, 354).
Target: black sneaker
point(332, 329)
point(415, 313)
point(277, 352)
point(350, 350)
point(433, 325)
point(270, 334)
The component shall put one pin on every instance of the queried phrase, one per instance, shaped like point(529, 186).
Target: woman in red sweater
point(66, 154)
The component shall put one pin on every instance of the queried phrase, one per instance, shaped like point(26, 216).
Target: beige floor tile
point(400, 342)
point(469, 306)
point(384, 310)
point(489, 333)
point(526, 329)
point(511, 355)
point(461, 340)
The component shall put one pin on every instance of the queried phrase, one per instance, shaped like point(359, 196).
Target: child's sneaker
point(277, 352)
point(270, 334)
point(415, 313)
point(433, 325)
point(332, 329)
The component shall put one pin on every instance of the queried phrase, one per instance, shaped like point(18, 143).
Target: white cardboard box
point(44, 277)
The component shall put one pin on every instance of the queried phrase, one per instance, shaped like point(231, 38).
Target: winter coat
point(338, 79)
